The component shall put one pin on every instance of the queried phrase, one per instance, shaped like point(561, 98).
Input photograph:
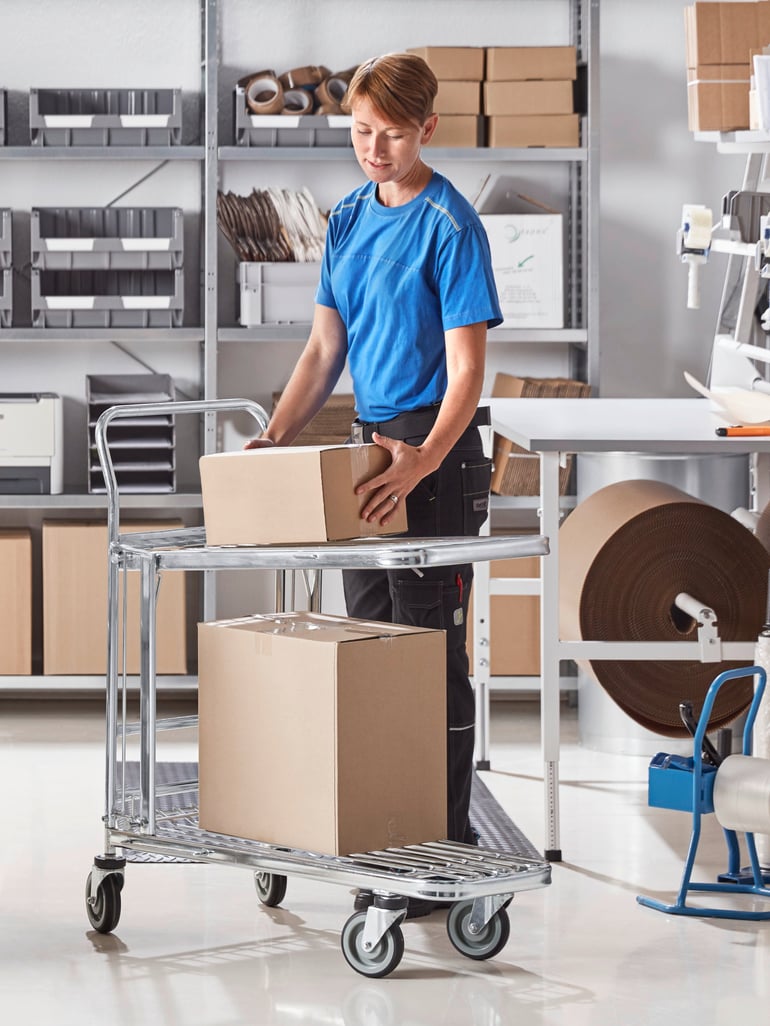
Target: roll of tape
point(297, 101)
point(264, 94)
point(625, 553)
point(332, 90)
point(302, 78)
point(742, 794)
point(699, 221)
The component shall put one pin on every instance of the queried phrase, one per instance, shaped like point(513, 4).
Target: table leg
point(549, 649)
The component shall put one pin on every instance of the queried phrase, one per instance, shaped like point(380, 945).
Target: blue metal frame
point(757, 888)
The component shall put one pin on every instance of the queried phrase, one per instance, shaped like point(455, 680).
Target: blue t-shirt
point(399, 278)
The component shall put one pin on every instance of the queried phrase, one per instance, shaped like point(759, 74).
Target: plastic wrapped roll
point(761, 734)
point(626, 552)
point(742, 794)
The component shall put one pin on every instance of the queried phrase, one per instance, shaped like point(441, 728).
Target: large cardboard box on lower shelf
point(514, 623)
point(301, 494)
point(322, 732)
point(75, 602)
point(15, 602)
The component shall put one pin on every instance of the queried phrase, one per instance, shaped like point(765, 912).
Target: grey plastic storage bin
point(107, 299)
point(278, 293)
point(107, 238)
point(143, 449)
point(105, 117)
point(288, 129)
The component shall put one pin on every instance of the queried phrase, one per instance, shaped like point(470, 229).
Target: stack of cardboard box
point(528, 96)
point(720, 41)
point(460, 71)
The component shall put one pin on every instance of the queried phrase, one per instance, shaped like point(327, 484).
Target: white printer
point(30, 443)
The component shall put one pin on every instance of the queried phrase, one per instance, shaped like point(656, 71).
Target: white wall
point(650, 166)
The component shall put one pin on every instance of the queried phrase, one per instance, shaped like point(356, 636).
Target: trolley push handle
point(156, 409)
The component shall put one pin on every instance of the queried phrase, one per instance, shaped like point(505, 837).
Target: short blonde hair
point(399, 86)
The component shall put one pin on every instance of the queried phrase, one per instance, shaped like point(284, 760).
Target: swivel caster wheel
point(382, 958)
point(103, 911)
point(271, 888)
point(490, 940)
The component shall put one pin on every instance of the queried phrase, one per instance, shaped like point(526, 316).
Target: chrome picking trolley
point(161, 820)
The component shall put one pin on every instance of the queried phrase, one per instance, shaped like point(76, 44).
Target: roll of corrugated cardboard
point(626, 552)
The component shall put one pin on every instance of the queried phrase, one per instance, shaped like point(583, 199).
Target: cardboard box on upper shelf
point(315, 730)
point(458, 97)
point(525, 130)
point(552, 97)
point(718, 97)
point(725, 33)
point(516, 63)
point(458, 130)
point(453, 62)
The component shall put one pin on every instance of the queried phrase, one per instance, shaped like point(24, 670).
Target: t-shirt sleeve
point(466, 282)
point(324, 294)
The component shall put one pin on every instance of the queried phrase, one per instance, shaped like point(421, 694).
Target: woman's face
point(387, 153)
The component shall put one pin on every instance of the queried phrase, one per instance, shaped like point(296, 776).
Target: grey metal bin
point(107, 299)
point(105, 117)
point(107, 238)
point(143, 449)
point(288, 129)
point(6, 274)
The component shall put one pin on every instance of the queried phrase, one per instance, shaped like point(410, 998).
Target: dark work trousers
point(451, 502)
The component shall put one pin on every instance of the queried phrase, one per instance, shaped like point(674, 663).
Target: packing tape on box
point(264, 94)
point(626, 552)
point(742, 794)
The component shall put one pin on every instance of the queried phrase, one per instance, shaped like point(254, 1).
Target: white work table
point(554, 428)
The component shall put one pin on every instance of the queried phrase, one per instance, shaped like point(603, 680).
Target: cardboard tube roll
point(626, 552)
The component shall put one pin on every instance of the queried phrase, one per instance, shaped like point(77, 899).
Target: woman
point(406, 296)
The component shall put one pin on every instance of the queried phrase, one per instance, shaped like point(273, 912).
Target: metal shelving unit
point(152, 154)
point(582, 249)
point(582, 230)
point(323, 153)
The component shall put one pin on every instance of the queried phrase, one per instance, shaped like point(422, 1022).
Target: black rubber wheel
point(382, 959)
point(485, 944)
point(271, 888)
point(104, 914)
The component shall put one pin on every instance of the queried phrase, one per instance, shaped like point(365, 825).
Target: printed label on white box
point(527, 259)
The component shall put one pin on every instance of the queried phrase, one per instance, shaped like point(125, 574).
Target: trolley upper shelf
point(186, 549)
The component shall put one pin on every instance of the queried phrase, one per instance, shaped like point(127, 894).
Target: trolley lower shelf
point(476, 883)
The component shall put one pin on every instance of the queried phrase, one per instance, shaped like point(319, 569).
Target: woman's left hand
point(388, 490)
